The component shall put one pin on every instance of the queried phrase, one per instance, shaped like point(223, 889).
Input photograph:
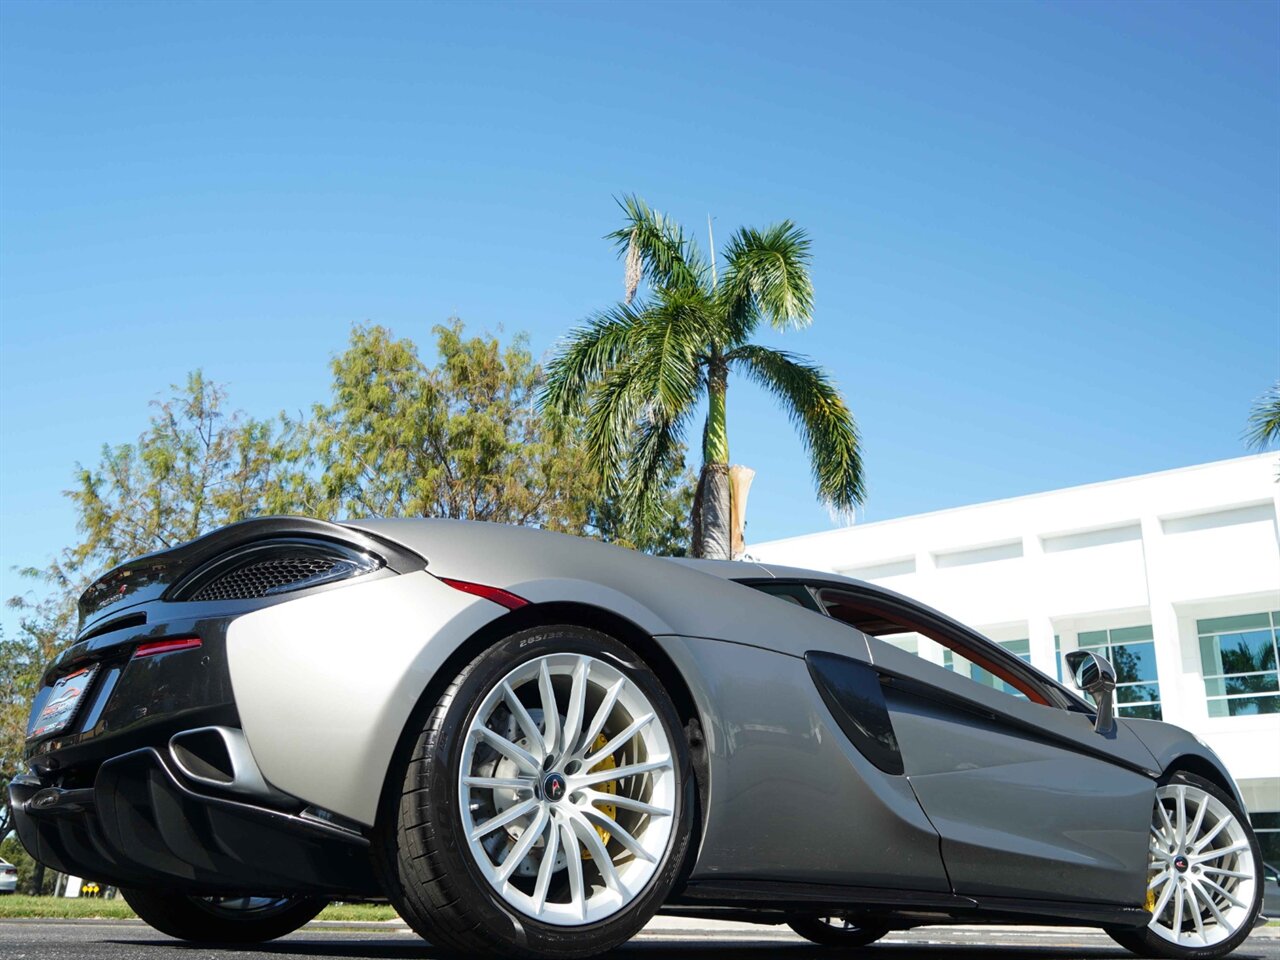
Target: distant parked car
point(8, 877)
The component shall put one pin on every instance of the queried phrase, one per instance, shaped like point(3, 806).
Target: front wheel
point(546, 806)
point(1204, 879)
point(836, 931)
point(222, 919)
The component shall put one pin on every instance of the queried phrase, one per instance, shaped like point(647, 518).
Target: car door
point(1029, 801)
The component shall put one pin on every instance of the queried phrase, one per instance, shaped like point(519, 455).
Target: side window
point(967, 668)
point(796, 593)
point(946, 651)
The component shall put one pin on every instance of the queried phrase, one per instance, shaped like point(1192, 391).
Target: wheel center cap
point(1180, 864)
point(553, 787)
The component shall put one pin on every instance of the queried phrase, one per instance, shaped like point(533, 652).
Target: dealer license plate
point(63, 702)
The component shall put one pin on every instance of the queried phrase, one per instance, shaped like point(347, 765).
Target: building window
point(959, 664)
point(906, 642)
point(1238, 657)
point(1267, 827)
point(1022, 648)
point(1132, 651)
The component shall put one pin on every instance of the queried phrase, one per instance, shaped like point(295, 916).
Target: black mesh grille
point(259, 578)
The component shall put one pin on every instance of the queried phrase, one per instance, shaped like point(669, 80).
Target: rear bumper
point(142, 823)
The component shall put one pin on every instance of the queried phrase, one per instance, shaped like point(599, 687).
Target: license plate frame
point(64, 701)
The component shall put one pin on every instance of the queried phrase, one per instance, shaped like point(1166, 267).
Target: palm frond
point(655, 246)
point(670, 342)
point(816, 407)
point(657, 450)
point(616, 405)
point(657, 381)
point(586, 354)
point(1264, 419)
point(767, 275)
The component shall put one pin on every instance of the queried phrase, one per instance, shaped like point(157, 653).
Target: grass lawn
point(17, 905)
point(83, 907)
point(358, 911)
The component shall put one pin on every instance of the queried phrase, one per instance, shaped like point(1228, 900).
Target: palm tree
point(1264, 419)
point(639, 369)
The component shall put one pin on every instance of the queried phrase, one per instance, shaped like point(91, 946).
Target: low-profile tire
point(837, 931)
point(1217, 848)
point(516, 870)
point(222, 919)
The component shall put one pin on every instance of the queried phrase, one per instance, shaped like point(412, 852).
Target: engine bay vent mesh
point(262, 578)
point(274, 566)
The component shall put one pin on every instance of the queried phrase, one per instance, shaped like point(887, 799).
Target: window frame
point(1273, 632)
point(1107, 649)
point(951, 634)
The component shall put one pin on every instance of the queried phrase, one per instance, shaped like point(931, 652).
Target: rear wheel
point(837, 931)
point(222, 919)
point(1204, 880)
point(546, 806)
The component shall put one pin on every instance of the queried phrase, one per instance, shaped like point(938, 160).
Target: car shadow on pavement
point(382, 949)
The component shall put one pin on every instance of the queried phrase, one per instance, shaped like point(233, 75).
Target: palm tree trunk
point(712, 525)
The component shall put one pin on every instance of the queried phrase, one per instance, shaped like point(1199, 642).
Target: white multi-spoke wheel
point(239, 919)
point(838, 931)
point(547, 803)
point(567, 788)
point(1204, 886)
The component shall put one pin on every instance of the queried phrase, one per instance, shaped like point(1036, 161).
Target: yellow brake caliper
point(609, 787)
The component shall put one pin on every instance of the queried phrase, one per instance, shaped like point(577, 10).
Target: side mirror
point(1097, 677)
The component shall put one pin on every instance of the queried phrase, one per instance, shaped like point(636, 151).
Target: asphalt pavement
point(667, 938)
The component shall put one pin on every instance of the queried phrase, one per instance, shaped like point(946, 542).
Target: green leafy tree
point(665, 530)
point(21, 659)
point(459, 439)
point(198, 466)
point(33, 879)
point(639, 370)
point(462, 438)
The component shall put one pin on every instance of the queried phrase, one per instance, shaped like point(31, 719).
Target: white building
point(1174, 576)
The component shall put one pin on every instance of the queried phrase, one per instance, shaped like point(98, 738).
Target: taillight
point(496, 594)
point(156, 647)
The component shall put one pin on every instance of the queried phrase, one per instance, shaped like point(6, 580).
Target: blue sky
point(1046, 236)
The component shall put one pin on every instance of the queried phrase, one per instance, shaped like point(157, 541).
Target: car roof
point(751, 569)
point(724, 569)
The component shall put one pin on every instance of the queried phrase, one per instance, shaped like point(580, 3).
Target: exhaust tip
point(203, 755)
point(219, 757)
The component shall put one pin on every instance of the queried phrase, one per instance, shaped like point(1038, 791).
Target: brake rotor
point(505, 767)
point(610, 787)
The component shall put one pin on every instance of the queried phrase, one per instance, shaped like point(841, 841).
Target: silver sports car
point(530, 744)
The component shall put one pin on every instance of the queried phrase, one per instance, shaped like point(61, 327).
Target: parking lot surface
point(666, 938)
